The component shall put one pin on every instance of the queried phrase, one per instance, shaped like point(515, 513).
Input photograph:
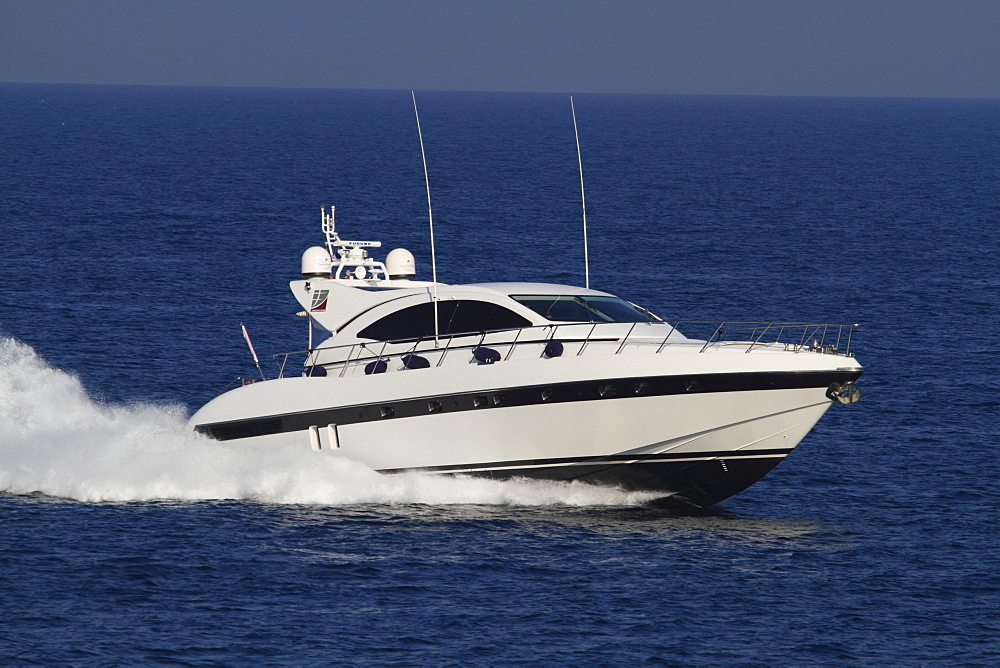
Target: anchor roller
point(845, 394)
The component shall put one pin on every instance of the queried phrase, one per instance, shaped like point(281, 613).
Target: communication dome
point(316, 263)
point(400, 264)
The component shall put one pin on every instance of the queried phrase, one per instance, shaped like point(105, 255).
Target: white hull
point(702, 426)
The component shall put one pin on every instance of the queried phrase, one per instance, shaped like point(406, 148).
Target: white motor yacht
point(534, 380)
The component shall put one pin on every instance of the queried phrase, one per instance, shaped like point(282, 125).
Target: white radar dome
point(316, 263)
point(400, 264)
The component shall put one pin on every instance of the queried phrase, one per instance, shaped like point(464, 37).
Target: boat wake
point(58, 441)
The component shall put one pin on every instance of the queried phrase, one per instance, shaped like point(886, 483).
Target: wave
point(58, 441)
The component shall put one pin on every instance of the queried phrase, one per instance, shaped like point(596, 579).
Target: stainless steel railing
point(825, 338)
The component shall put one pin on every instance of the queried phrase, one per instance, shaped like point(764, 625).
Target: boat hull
point(701, 437)
point(703, 448)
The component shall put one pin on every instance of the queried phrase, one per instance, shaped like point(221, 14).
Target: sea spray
point(57, 440)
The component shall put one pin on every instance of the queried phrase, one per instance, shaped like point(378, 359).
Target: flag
point(246, 335)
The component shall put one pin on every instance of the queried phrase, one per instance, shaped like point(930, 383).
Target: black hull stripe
point(616, 460)
point(590, 390)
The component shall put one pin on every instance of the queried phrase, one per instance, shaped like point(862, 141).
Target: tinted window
point(454, 317)
point(572, 308)
point(618, 310)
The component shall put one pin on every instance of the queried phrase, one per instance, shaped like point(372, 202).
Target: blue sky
point(911, 48)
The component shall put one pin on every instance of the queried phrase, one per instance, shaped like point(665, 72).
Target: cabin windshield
point(578, 308)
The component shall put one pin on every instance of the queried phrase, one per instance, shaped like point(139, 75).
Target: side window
point(412, 322)
point(577, 308)
point(454, 317)
point(569, 310)
point(562, 308)
point(474, 316)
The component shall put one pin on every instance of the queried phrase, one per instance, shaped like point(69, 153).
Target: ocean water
point(141, 226)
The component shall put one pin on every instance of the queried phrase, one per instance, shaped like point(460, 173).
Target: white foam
point(57, 440)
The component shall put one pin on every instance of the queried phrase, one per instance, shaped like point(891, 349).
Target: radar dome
point(400, 265)
point(316, 263)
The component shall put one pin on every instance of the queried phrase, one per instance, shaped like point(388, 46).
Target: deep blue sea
point(141, 225)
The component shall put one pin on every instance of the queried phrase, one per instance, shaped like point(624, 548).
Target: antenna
point(430, 216)
point(583, 199)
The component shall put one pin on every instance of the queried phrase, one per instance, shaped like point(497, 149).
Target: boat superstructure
point(533, 379)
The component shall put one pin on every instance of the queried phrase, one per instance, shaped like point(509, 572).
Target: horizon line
point(504, 92)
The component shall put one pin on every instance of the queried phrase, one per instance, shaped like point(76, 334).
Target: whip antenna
point(583, 199)
point(430, 215)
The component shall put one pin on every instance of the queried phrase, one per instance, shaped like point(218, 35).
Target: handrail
point(757, 339)
point(673, 328)
point(513, 344)
point(714, 334)
point(754, 335)
point(586, 341)
point(625, 338)
point(348, 361)
point(284, 359)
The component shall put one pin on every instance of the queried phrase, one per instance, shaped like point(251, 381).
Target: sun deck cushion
point(553, 349)
point(378, 366)
point(485, 355)
point(415, 362)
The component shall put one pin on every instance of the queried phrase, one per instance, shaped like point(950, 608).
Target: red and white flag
point(246, 335)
